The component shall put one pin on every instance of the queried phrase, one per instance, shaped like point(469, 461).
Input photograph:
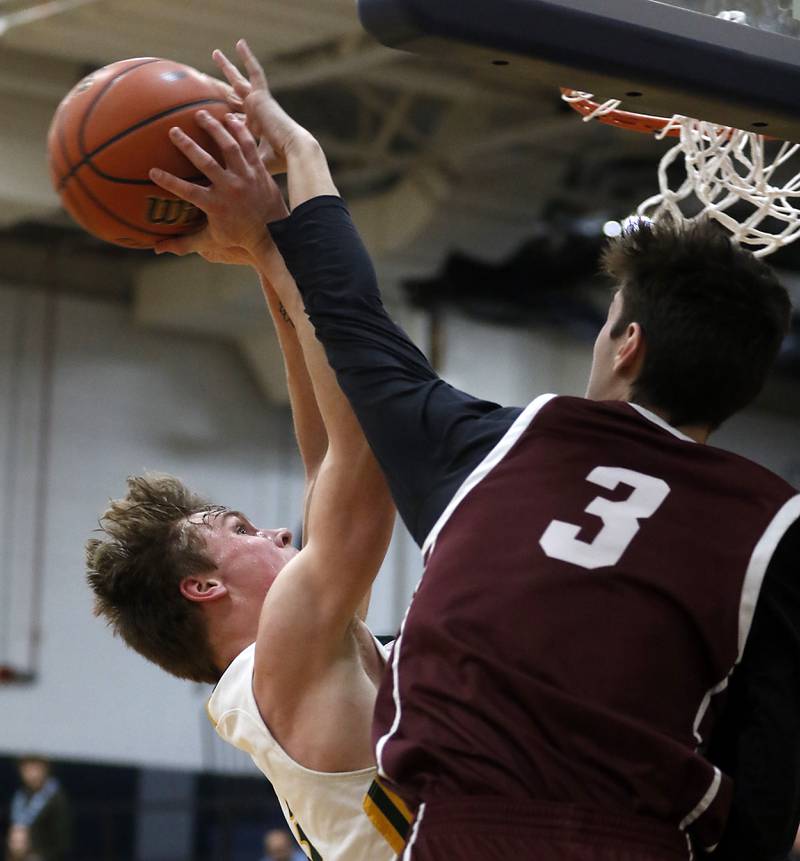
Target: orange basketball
point(108, 132)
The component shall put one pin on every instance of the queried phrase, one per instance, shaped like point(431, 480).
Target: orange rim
point(629, 120)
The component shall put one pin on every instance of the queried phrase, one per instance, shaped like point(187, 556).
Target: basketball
point(107, 133)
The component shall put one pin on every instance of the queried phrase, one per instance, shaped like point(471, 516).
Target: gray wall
point(121, 400)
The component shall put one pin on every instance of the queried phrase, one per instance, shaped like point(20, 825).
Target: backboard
point(661, 58)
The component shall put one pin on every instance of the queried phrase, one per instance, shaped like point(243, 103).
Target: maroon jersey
point(526, 664)
point(587, 593)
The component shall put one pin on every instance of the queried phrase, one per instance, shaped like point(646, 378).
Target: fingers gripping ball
point(108, 132)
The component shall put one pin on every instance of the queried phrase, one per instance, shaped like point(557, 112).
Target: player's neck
point(695, 432)
point(699, 433)
point(228, 639)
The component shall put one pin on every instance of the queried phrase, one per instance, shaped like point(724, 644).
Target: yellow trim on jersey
point(388, 814)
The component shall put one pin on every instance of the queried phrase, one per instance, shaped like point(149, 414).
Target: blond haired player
point(207, 595)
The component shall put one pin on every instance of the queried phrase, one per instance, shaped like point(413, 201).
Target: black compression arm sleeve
point(426, 435)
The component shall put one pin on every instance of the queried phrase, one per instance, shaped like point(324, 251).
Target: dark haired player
point(602, 660)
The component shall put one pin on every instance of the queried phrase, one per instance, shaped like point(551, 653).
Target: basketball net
point(723, 168)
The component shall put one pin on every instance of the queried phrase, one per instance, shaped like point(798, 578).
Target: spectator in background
point(40, 819)
point(279, 845)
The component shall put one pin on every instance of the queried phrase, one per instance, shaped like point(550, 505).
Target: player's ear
point(629, 353)
point(203, 587)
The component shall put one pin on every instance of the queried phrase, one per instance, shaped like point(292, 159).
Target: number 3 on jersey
point(620, 519)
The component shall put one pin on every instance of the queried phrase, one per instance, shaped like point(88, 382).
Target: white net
point(727, 176)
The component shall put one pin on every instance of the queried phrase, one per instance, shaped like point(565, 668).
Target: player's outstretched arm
point(215, 246)
point(351, 515)
point(426, 435)
point(309, 428)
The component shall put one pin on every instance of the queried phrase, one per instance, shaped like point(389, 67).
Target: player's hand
point(204, 244)
point(226, 92)
point(277, 132)
point(240, 198)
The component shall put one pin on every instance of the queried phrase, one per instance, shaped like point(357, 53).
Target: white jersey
point(324, 809)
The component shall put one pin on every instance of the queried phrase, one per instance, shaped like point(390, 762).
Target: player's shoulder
point(581, 409)
point(606, 423)
point(570, 418)
point(568, 411)
point(761, 474)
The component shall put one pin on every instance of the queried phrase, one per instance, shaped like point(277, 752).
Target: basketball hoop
point(723, 167)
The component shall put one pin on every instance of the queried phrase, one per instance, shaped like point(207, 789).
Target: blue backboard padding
point(682, 61)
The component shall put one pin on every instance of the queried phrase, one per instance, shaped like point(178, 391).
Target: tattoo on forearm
point(285, 314)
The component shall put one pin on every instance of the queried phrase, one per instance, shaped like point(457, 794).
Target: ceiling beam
point(38, 12)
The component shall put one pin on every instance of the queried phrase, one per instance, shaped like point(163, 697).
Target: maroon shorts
point(485, 829)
